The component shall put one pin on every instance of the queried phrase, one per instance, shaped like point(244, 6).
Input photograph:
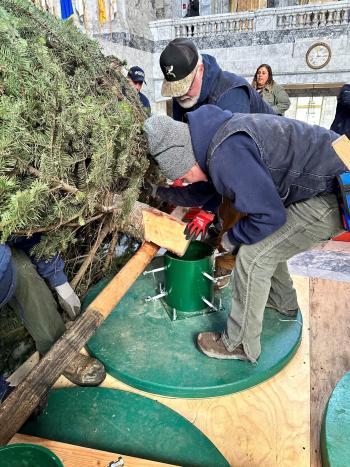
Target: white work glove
point(68, 300)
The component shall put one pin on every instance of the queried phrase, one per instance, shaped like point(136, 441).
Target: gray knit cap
point(169, 143)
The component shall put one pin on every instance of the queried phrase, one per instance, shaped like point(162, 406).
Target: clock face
point(318, 55)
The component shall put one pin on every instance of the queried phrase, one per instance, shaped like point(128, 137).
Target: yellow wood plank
point(342, 147)
point(74, 456)
point(165, 230)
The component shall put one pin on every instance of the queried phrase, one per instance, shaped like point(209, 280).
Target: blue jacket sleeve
point(51, 269)
point(239, 173)
point(7, 275)
point(194, 195)
point(236, 100)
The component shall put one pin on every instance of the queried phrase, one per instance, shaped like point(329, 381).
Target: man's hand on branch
point(198, 223)
point(68, 300)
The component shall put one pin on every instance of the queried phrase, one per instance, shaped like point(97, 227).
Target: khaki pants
point(35, 305)
point(261, 274)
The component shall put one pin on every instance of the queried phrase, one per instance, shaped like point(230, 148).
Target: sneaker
point(85, 371)
point(211, 344)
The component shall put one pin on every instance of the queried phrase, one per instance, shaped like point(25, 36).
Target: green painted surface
point(184, 281)
point(335, 435)
point(28, 455)
point(119, 421)
point(142, 347)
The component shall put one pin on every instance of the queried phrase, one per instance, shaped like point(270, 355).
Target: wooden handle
point(121, 283)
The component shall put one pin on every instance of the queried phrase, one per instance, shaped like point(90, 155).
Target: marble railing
point(214, 24)
point(296, 17)
point(314, 16)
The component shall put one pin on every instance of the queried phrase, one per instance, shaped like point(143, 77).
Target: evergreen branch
point(104, 230)
point(60, 183)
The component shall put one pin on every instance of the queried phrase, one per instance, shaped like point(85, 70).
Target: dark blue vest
point(299, 156)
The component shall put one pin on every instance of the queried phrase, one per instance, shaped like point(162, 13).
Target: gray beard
point(187, 103)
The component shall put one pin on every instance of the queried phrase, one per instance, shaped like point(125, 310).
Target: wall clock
point(318, 55)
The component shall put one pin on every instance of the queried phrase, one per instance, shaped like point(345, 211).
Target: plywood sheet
point(268, 425)
point(329, 347)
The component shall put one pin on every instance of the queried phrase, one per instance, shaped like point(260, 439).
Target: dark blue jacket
point(52, 269)
point(226, 90)
point(341, 123)
point(262, 163)
point(144, 101)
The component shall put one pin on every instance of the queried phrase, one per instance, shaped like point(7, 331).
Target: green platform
point(141, 346)
point(335, 435)
point(125, 423)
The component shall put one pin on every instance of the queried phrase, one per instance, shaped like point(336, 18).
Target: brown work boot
point(85, 371)
point(211, 344)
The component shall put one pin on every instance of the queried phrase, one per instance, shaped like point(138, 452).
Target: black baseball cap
point(178, 62)
point(137, 74)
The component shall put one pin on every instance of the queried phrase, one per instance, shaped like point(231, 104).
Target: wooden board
point(165, 230)
point(329, 347)
point(73, 456)
point(268, 425)
point(342, 147)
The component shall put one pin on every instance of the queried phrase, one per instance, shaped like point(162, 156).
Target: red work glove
point(178, 182)
point(199, 224)
point(191, 214)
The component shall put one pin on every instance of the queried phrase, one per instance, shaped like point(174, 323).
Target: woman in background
point(270, 91)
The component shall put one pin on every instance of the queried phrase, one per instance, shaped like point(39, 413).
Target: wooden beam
point(25, 398)
point(73, 456)
point(342, 147)
point(165, 230)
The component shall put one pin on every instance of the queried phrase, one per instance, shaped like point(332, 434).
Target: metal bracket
point(208, 276)
point(156, 297)
point(214, 279)
point(213, 307)
point(152, 271)
point(118, 463)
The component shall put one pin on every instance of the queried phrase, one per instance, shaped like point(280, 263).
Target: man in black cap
point(192, 80)
point(137, 77)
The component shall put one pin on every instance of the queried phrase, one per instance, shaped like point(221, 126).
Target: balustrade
point(313, 16)
point(310, 16)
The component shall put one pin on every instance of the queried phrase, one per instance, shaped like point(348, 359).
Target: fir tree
point(70, 138)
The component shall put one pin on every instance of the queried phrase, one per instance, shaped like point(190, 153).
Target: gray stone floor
point(328, 261)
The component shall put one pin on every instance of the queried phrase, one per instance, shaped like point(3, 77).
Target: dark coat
point(341, 123)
